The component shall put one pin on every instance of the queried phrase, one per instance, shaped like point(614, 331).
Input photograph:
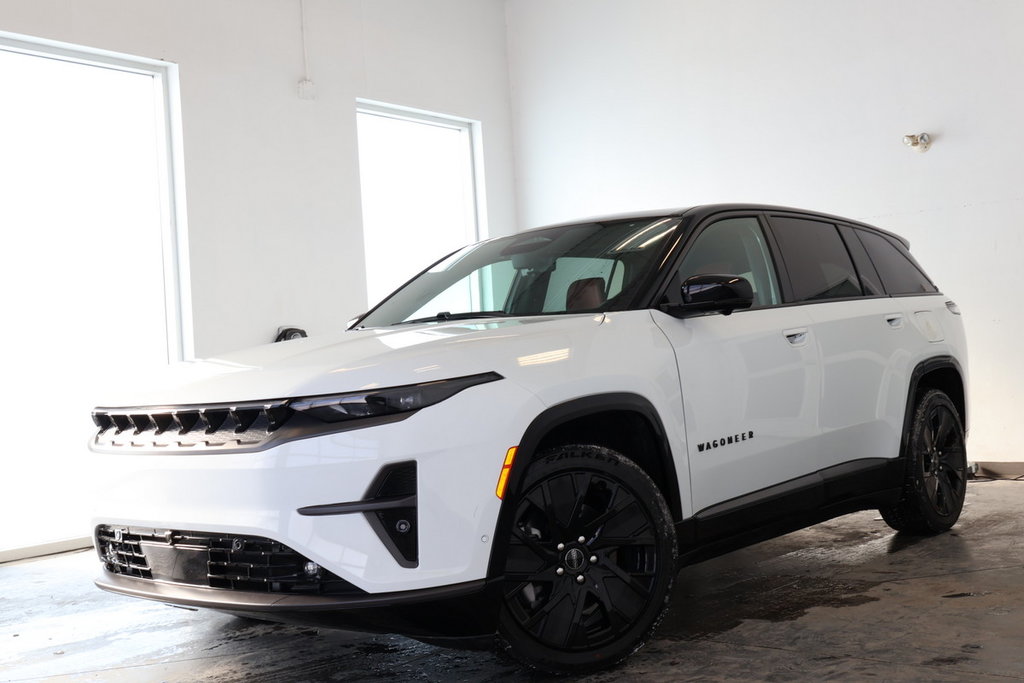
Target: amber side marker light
point(506, 467)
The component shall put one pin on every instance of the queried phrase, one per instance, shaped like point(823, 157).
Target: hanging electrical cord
point(307, 89)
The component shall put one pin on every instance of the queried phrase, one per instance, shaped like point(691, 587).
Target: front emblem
point(574, 560)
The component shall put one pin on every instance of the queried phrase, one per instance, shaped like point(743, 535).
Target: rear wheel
point(936, 479)
point(590, 564)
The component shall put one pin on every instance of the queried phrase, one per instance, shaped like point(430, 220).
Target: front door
point(750, 380)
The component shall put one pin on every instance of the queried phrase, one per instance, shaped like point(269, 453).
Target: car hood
point(359, 359)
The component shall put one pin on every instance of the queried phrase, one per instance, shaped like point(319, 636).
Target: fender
point(923, 368)
point(564, 413)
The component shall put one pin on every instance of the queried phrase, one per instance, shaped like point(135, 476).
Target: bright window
point(88, 268)
point(419, 193)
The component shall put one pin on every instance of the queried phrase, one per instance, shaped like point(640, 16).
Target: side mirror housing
point(712, 294)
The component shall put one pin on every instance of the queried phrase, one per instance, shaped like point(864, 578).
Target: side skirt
point(796, 504)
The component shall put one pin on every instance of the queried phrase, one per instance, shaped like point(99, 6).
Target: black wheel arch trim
point(923, 368)
point(561, 414)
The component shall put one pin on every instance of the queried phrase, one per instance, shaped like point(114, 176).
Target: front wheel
point(936, 477)
point(591, 561)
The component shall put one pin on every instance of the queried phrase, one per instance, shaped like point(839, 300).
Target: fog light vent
point(397, 527)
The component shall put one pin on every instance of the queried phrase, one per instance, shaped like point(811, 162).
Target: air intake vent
point(397, 527)
point(121, 552)
point(217, 426)
point(227, 561)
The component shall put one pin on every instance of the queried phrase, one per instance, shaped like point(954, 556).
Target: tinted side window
point(869, 279)
point(734, 246)
point(819, 265)
point(899, 273)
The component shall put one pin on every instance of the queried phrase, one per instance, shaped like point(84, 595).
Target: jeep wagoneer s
point(524, 442)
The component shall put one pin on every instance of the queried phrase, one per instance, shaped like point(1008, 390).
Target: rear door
point(862, 335)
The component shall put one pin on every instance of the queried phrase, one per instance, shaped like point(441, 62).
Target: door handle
point(895, 320)
point(796, 336)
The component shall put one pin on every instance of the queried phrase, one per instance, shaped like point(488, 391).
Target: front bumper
point(461, 612)
point(457, 448)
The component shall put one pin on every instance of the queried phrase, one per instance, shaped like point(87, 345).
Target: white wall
point(272, 180)
point(615, 106)
point(658, 103)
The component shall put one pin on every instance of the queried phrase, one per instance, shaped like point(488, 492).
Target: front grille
point(228, 561)
point(219, 426)
point(121, 552)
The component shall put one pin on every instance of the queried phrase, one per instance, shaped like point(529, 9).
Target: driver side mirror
point(712, 294)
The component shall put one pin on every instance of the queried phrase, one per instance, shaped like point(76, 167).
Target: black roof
point(700, 212)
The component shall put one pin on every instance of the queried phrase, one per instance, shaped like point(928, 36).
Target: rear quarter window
point(900, 274)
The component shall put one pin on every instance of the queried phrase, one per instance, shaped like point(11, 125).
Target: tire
point(590, 563)
point(936, 478)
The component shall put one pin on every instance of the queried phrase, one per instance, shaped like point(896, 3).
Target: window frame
point(634, 295)
point(170, 150)
point(862, 262)
point(769, 249)
point(471, 129)
point(835, 225)
point(902, 251)
point(669, 290)
point(665, 289)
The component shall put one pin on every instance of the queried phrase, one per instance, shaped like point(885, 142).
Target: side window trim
point(781, 268)
point(789, 296)
point(669, 291)
point(862, 262)
point(902, 250)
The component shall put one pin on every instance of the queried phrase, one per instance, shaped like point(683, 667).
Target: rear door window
point(818, 263)
point(899, 273)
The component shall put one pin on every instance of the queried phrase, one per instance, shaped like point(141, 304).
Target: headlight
point(381, 402)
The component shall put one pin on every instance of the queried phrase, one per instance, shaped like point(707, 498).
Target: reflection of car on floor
point(529, 437)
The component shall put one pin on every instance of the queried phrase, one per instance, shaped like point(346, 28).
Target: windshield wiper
point(445, 316)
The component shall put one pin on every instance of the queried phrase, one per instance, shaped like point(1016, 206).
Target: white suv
point(528, 438)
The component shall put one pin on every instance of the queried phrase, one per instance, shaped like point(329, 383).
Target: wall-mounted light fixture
point(919, 142)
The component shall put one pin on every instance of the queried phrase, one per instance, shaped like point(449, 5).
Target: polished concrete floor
point(846, 600)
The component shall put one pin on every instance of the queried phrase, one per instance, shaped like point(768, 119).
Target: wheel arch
point(940, 372)
point(625, 422)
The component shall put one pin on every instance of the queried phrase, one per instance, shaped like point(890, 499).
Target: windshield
point(590, 267)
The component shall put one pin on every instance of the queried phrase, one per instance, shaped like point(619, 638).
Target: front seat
point(585, 294)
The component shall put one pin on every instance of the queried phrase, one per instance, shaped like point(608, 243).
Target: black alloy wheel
point(590, 564)
point(936, 479)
